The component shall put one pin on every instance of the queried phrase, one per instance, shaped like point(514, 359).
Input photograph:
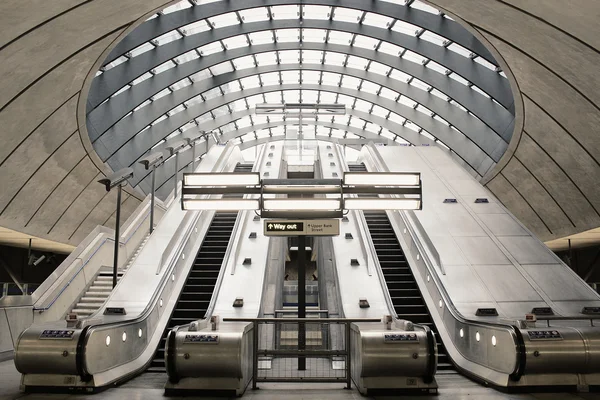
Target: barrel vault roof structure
point(509, 88)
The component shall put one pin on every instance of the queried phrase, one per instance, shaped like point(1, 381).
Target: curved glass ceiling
point(406, 72)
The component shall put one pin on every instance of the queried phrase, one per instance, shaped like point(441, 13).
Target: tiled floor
point(149, 387)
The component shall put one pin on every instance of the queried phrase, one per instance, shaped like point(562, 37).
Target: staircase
point(101, 288)
point(403, 289)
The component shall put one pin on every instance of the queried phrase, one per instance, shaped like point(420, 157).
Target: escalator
point(403, 289)
point(199, 286)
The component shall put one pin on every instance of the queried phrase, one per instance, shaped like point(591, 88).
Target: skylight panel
point(166, 38)
point(182, 5)
point(478, 90)
point(285, 12)
point(244, 122)
point(140, 49)
point(336, 133)
point(347, 100)
point(222, 20)
point(262, 134)
point(407, 102)
point(396, 118)
point(141, 78)
point(159, 119)
point(379, 68)
point(175, 110)
point(247, 137)
point(254, 100)
point(328, 97)
point(387, 134)
point(211, 94)
point(346, 14)
point(377, 20)
point(436, 67)
point(262, 37)
point(334, 58)
point(433, 38)
point(250, 82)
point(405, 28)
point(114, 63)
point(412, 126)
point(163, 67)
point(357, 122)
point(370, 87)
point(271, 78)
point(399, 75)
point(186, 57)
point(424, 110)
point(210, 48)
point(459, 78)
point(427, 134)
point(237, 105)
point(414, 57)
point(419, 84)
point(365, 42)
point(277, 131)
point(221, 68)
point(160, 94)
point(220, 111)
point(266, 59)
point(439, 94)
point(425, 7)
point(380, 111)
point(291, 96)
point(290, 77)
point(458, 49)
point(350, 82)
point(195, 27)
point(390, 49)
point(388, 93)
point(357, 62)
point(204, 118)
point(341, 119)
point(243, 62)
point(289, 56)
point(201, 75)
point(180, 84)
point(312, 56)
point(316, 12)
point(454, 103)
point(311, 77)
point(235, 42)
point(362, 105)
point(123, 89)
point(259, 119)
point(482, 61)
point(337, 37)
point(310, 96)
point(189, 125)
point(287, 35)
point(144, 104)
point(439, 142)
point(254, 15)
point(314, 35)
point(371, 127)
point(442, 120)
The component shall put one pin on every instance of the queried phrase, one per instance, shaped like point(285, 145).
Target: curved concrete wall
point(548, 178)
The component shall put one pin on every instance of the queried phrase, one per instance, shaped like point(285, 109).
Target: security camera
point(117, 178)
point(38, 261)
point(176, 146)
point(152, 160)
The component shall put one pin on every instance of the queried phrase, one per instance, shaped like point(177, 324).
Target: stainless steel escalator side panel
point(379, 362)
point(207, 360)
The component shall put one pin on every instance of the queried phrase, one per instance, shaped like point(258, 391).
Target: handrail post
point(255, 356)
point(117, 238)
point(348, 357)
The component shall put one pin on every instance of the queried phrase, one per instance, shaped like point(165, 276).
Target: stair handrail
point(190, 218)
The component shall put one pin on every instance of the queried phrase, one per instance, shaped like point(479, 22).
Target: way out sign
point(308, 227)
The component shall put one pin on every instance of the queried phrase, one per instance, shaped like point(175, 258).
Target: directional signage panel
point(309, 227)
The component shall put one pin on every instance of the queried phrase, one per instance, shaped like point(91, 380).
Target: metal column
point(117, 233)
point(301, 300)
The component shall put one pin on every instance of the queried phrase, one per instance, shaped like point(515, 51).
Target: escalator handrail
point(81, 349)
point(511, 328)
